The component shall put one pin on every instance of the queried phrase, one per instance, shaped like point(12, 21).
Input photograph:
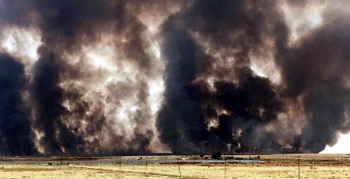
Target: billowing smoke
point(131, 77)
point(218, 100)
point(16, 134)
point(317, 71)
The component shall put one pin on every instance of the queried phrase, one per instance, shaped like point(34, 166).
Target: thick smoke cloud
point(317, 71)
point(67, 27)
point(90, 91)
point(241, 104)
point(16, 134)
point(71, 24)
point(180, 118)
point(249, 102)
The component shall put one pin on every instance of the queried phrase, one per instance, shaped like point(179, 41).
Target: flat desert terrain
point(275, 166)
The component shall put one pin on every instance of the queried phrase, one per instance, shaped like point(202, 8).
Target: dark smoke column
point(317, 71)
point(15, 133)
point(198, 45)
point(47, 96)
point(180, 121)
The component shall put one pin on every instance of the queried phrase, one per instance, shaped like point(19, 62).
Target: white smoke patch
point(156, 90)
point(156, 50)
point(21, 43)
point(153, 21)
point(302, 20)
point(37, 143)
point(110, 83)
point(265, 67)
point(108, 89)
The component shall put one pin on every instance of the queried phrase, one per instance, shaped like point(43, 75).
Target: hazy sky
point(341, 147)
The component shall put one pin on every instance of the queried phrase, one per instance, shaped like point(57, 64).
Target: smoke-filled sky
point(113, 77)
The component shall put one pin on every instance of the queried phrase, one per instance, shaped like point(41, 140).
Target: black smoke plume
point(241, 104)
point(213, 97)
point(317, 72)
point(16, 134)
point(66, 27)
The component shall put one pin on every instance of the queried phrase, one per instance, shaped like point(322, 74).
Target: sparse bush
point(216, 155)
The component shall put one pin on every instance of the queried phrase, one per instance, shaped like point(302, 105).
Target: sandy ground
point(312, 166)
point(172, 171)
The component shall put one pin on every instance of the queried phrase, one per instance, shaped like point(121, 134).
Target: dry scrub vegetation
point(277, 166)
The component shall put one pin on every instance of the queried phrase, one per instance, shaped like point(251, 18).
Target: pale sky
point(341, 147)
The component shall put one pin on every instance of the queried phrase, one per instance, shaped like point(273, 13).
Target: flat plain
point(274, 166)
